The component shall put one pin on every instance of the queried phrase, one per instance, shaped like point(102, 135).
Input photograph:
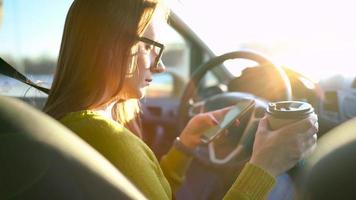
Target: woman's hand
point(200, 123)
point(279, 150)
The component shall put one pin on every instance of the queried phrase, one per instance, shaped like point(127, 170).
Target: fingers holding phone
point(204, 127)
point(227, 117)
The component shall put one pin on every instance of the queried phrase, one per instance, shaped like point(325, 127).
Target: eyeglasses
point(158, 45)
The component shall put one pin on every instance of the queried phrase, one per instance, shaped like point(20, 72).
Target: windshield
point(316, 38)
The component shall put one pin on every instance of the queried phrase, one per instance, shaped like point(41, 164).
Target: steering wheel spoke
point(196, 108)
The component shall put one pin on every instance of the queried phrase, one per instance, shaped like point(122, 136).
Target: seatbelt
point(7, 70)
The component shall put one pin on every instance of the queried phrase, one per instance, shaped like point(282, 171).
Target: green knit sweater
point(138, 163)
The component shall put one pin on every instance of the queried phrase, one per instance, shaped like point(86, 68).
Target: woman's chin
point(139, 94)
point(143, 92)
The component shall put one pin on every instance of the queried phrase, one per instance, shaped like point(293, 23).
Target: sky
point(32, 28)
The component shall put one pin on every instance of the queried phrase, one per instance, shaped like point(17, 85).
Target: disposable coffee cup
point(282, 113)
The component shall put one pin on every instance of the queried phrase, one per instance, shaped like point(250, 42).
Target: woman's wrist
point(263, 166)
point(182, 147)
point(189, 142)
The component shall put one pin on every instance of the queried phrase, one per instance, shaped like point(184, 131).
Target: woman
point(107, 58)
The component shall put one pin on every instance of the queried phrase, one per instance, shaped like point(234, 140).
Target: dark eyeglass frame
point(161, 46)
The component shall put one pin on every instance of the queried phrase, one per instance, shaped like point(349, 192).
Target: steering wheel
point(189, 107)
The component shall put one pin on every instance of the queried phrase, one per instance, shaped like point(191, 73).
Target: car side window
point(35, 54)
point(30, 36)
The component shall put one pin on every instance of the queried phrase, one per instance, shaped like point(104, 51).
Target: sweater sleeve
point(174, 166)
point(253, 183)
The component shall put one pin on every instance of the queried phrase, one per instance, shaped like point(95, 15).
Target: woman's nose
point(159, 68)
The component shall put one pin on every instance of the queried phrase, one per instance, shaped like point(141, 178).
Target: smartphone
point(236, 112)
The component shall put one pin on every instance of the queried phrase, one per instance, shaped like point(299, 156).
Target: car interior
point(41, 159)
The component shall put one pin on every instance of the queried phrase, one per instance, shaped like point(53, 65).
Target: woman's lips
point(148, 81)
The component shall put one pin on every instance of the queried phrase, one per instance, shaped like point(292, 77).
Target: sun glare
point(316, 38)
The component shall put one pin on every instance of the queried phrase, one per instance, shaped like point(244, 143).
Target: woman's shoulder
point(92, 122)
point(105, 134)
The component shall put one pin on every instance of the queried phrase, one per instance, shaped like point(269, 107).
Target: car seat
point(41, 159)
point(329, 173)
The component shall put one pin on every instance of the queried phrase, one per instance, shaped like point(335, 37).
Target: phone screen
point(238, 110)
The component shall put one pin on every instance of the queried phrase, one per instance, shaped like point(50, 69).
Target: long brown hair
point(95, 53)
